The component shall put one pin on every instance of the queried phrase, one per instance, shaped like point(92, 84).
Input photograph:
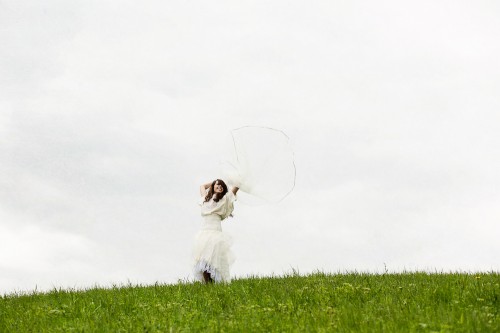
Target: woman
point(212, 249)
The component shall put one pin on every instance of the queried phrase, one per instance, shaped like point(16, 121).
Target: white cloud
point(32, 257)
point(111, 115)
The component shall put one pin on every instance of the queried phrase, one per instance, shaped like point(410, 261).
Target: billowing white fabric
point(260, 162)
point(212, 246)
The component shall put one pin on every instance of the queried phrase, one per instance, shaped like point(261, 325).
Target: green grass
point(352, 302)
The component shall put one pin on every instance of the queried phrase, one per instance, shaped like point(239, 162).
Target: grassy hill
point(353, 302)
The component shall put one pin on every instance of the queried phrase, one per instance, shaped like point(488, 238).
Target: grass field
point(352, 302)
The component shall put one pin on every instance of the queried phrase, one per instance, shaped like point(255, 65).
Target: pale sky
point(112, 113)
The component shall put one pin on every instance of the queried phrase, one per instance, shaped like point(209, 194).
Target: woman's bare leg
point(207, 277)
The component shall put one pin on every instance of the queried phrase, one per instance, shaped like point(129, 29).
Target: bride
point(212, 248)
point(261, 166)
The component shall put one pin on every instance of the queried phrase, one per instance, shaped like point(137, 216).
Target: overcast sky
point(111, 113)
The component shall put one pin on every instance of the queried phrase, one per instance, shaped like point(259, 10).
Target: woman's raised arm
point(203, 188)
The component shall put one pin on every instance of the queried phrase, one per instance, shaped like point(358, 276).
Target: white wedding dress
point(259, 161)
point(212, 247)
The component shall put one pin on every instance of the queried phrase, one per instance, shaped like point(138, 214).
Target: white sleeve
point(230, 196)
point(202, 198)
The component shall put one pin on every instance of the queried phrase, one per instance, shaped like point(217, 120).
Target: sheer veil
point(260, 161)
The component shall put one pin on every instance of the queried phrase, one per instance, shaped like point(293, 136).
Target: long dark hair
point(211, 191)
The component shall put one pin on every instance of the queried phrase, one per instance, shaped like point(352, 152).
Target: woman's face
point(218, 188)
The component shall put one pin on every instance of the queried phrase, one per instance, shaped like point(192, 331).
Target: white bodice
point(211, 222)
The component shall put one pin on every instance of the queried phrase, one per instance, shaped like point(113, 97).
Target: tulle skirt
point(212, 251)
